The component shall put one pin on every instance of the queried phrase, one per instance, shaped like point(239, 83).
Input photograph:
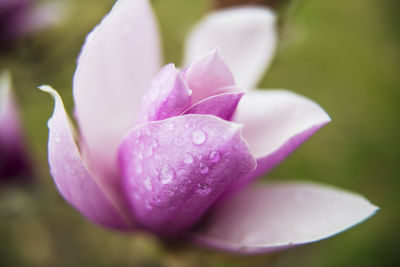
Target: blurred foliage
point(343, 54)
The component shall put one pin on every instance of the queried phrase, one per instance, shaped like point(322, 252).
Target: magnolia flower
point(13, 159)
point(173, 152)
point(22, 17)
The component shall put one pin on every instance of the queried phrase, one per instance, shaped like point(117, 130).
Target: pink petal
point(208, 76)
point(267, 218)
point(168, 96)
point(44, 15)
point(74, 181)
point(118, 61)
point(276, 122)
point(246, 37)
point(223, 105)
point(10, 128)
point(13, 158)
point(173, 170)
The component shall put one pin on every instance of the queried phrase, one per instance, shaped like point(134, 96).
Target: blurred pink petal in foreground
point(172, 151)
point(14, 164)
point(23, 17)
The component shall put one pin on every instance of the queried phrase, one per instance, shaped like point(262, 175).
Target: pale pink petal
point(208, 76)
point(223, 105)
point(270, 217)
point(74, 181)
point(44, 15)
point(246, 37)
point(276, 122)
point(168, 96)
point(118, 61)
point(173, 170)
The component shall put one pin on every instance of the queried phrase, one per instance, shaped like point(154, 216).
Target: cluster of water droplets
point(174, 180)
point(167, 173)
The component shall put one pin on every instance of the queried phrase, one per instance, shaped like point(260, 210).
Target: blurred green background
point(343, 54)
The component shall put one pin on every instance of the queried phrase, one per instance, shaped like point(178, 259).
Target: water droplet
point(215, 156)
point(147, 183)
point(198, 137)
point(155, 143)
point(187, 158)
point(203, 188)
point(149, 151)
point(203, 168)
point(167, 174)
point(170, 125)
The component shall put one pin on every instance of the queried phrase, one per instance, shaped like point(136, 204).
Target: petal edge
point(280, 216)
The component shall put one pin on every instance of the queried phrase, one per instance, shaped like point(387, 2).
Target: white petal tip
point(47, 89)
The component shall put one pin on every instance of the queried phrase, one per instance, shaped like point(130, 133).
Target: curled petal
point(74, 181)
point(208, 76)
point(168, 96)
point(118, 61)
point(270, 217)
point(246, 37)
point(173, 170)
point(223, 105)
point(276, 122)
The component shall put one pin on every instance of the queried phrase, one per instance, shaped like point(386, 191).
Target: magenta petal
point(276, 122)
point(173, 170)
point(75, 183)
point(270, 217)
point(117, 63)
point(208, 76)
point(223, 105)
point(168, 96)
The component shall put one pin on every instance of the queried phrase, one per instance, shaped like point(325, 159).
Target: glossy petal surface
point(118, 61)
point(173, 170)
point(276, 122)
point(208, 76)
point(246, 37)
point(168, 96)
point(270, 217)
point(75, 183)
